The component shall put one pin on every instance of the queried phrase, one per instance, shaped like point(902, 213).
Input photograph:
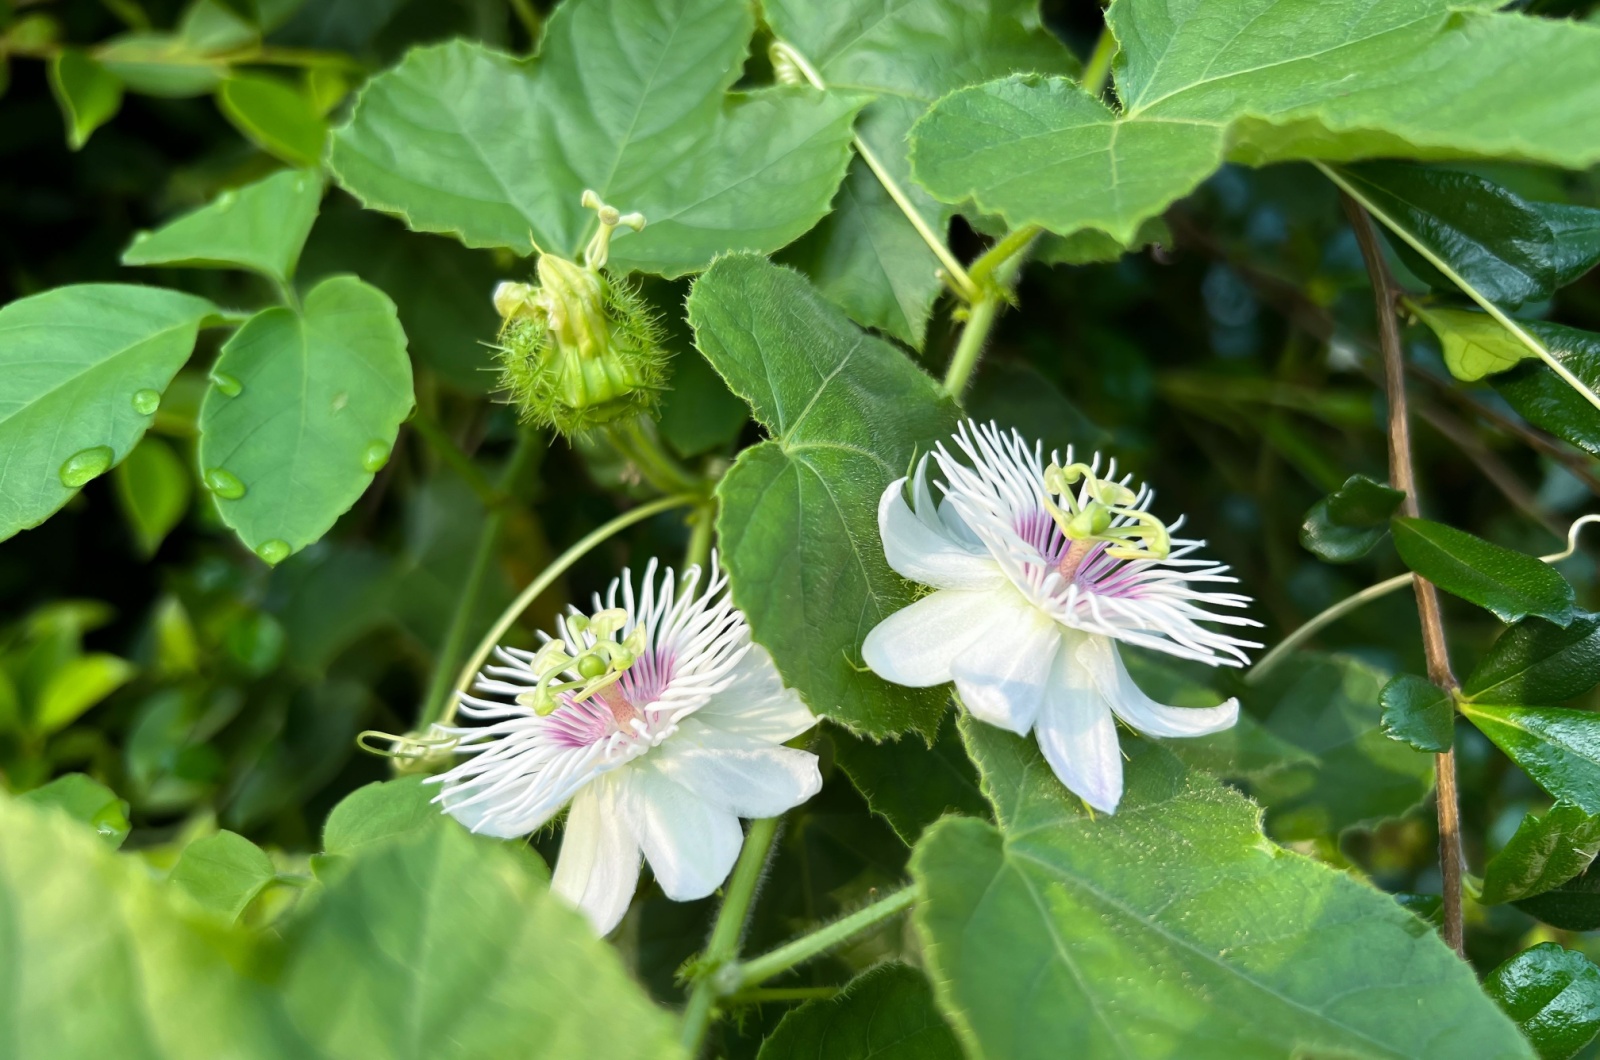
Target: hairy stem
point(437, 700)
point(1402, 476)
point(655, 465)
point(546, 579)
point(746, 974)
point(723, 948)
point(995, 272)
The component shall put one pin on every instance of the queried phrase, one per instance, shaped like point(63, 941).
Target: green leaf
point(153, 488)
point(88, 94)
point(698, 412)
point(1539, 662)
point(1474, 344)
point(1418, 712)
point(86, 801)
point(1091, 247)
point(1328, 707)
point(866, 255)
point(177, 65)
point(274, 115)
point(1172, 927)
point(1510, 584)
point(317, 401)
point(1558, 748)
point(1260, 83)
point(137, 978)
point(1576, 232)
point(1488, 236)
point(379, 812)
point(223, 873)
point(1573, 906)
point(909, 783)
point(261, 226)
point(84, 367)
point(885, 1013)
point(1553, 994)
point(1544, 853)
point(798, 522)
point(77, 686)
point(1343, 526)
point(1544, 398)
point(498, 151)
point(443, 945)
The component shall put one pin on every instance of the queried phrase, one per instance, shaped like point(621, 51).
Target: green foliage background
point(185, 667)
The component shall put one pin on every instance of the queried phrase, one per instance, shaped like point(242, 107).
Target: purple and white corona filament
point(659, 720)
point(1039, 570)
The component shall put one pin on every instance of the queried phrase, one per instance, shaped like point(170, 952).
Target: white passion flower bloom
point(1039, 570)
point(659, 720)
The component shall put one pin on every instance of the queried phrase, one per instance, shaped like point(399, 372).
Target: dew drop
point(226, 200)
point(273, 552)
point(224, 484)
point(227, 384)
point(375, 456)
point(86, 464)
point(140, 237)
point(145, 402)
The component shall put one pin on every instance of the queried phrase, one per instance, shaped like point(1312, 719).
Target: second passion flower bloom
point(1039, 570)
point(662, 723)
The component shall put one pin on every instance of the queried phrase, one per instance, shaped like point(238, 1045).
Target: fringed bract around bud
point(580, 348)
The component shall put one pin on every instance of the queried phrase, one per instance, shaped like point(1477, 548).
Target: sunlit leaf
point(1544, 853)
point(223, 873)
point(261, 226)
point(1538, 662)
point(1553, 994)
point(1510, 584)
point(88, 94)
point(276, 116)
point(87, 801)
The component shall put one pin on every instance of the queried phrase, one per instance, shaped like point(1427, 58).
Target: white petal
point(918, 547)
point(745, 777)
point(916, 645)
point(598, 869)
point(1002, 678)
point(690, 844)
point(756, 704)
point(1079, 737)
point(1099, 655)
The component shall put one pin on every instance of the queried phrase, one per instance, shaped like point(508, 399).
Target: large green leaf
point(1544, 853)
point(1327, 706)
point(798, 524)
point(1510, 584)
point(261, 226)
point(1343, 526)
point(866, 255)
point(1544, 398)
point(84, 369)
point(1538, 662)
point(627, 98)
point(1553, 994)
point(1172, 927)
point(1203, 81)
point(304, 409)
point(443, 945)
point(886, 1013)
point(911, 784)
point(1559, 748)
point(97, 962)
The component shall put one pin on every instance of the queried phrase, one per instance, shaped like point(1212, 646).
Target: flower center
point(1096, 510)
point(599, 666)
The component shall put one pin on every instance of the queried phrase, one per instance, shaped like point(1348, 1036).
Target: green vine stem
point(546, 579)
point(434, 702)
point(786, 57)
point(723, 948)
point(655, 465)
point(738, 977)
point(1269, 662)
point(1517, 331)
point(995, 272)
point(1097, 71)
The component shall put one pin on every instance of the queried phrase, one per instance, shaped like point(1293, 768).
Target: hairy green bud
point(580, 348)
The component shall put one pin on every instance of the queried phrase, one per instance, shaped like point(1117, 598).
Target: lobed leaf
point(798, 520)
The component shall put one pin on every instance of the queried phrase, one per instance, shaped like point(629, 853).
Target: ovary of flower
point(1032, 596)
point(666, 724)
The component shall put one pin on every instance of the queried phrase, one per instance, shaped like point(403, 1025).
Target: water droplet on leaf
point(224, 484)
point(145, 402)
point(86, 464)
point(375, 456)
point(140, 237)
point(226, 200)
point(273, 552)
point(227, 384)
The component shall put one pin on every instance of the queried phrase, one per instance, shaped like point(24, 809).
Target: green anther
point(607, 622)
